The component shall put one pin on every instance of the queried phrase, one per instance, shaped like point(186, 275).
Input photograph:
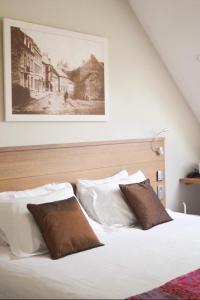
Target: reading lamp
point(159, 150)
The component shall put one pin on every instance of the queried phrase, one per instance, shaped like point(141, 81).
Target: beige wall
point(143, 97)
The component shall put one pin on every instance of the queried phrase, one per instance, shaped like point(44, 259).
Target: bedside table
point(186, 180)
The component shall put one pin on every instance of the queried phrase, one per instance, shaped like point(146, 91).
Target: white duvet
point(131, 262)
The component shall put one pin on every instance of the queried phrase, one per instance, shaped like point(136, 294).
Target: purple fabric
point(185, 287)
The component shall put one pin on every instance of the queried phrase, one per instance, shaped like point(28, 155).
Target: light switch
point(161, 191)
point(160, 175)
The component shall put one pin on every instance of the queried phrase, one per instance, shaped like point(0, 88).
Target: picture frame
point(53, 74)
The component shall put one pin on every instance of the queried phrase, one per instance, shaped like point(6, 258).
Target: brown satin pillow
point(145, 204)
point(64, 227)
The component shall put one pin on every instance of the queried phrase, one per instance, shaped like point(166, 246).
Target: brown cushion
point(64, 227)
point(145, 204)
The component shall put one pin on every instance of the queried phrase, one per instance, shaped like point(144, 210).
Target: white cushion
point(97, 227)
point(41, 190)
point(83, 188)
point(18, 225)
point(120, 175)
point(105, 203)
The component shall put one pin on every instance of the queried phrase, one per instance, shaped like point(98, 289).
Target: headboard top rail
point(73, 145)
point(26, 167)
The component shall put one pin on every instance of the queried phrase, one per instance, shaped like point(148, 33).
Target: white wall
point(182, 31)
point(143, 97)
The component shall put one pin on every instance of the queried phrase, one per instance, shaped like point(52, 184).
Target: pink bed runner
point(183, 287)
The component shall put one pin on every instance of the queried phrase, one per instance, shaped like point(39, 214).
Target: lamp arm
point(158, 150)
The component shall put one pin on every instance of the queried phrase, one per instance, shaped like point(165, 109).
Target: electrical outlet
point(161, 191)
point(160, 175)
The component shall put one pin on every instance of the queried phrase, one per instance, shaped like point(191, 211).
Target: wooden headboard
point(31, 166)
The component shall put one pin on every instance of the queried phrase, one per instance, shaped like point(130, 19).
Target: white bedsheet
point(133, 261)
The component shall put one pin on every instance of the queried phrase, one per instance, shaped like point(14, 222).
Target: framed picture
point(53, 74)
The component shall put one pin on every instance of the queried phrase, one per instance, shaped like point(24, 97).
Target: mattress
point(131, 262)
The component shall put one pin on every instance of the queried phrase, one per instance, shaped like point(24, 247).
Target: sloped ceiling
point(174, 28)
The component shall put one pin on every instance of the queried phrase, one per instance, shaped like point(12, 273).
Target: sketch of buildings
point(26, 61)
point(31, 69)
point(88, 80)
point(42, 87)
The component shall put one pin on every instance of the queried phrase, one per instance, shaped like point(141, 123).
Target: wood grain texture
point(31, 166)
point(190, 180)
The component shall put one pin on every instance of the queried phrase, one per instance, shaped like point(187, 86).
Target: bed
point(131, 262)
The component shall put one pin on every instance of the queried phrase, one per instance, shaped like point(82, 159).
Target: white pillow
point(18, 225)
point(120, 175)
point(96, 227)
point(83, 188)
point(18, 228)
point(105, 203)
point(41, 190)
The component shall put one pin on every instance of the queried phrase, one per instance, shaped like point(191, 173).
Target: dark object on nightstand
point(193, 174)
